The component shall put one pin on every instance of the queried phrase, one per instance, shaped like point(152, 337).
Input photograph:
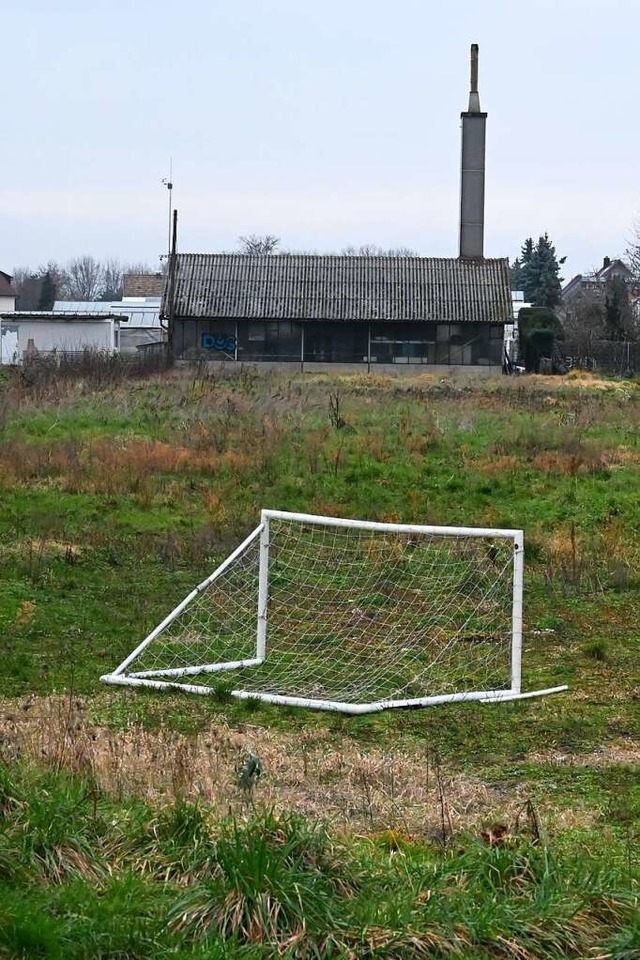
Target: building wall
point(143, 285)
point(61, 336)
point(132, 338)
point(387, 369)
point(7, 304)
point(419, 344)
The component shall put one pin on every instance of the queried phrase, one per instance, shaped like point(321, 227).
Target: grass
point(119, 495)
point(174, 881)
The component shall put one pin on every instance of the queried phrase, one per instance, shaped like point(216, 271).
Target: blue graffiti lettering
point(217, 341)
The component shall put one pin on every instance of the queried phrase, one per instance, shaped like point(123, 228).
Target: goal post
point(348, 615)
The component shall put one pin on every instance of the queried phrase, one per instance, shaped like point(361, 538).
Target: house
point(142, 315)
point(7, 293)
point(613, 280)
point(391, 312)
point(596, 282)
point(47, 333)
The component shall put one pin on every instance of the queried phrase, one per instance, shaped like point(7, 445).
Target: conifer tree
point(538, 272)
point(47, 294)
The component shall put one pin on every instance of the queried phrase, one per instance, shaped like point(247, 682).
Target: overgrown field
point(465, 830)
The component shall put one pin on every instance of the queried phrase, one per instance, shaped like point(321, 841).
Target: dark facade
point(356, 310)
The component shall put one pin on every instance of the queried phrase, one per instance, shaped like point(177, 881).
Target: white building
point(49, 333)
point(141, 313)
point(511, 329)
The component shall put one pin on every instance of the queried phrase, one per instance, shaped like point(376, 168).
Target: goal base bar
point(337, 706)
point(501, 698)
point(194, 671)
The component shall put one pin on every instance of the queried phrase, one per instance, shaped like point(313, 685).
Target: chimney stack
point(474, 124)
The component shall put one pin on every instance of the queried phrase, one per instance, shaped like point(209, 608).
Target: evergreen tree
point(47, 294)
point(515, 274)
point(539, 272)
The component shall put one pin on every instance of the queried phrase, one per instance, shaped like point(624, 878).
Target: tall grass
point(282, 886)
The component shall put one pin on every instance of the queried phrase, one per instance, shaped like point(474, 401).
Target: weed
point(275, 882)
point(598, 650)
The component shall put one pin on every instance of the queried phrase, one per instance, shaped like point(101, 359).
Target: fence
point(621, 357)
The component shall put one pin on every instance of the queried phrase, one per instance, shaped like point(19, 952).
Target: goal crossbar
point(346, 615)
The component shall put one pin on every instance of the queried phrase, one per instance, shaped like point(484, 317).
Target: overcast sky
point(326, 123)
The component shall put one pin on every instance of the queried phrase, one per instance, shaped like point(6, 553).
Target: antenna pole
point(168, 182)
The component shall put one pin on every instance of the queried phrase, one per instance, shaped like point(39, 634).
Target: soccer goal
point(348, 615)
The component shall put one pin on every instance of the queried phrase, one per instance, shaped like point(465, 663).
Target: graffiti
point(216, 341)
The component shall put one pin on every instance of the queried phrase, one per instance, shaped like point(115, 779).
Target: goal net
point(347, 615)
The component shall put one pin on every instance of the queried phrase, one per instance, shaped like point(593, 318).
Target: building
point(7, 293)
point(142, 315)
point(146, 285)
point(382, 311)
point(47, 333)
point(511, 332)
point(355, 310)
point(597, 281)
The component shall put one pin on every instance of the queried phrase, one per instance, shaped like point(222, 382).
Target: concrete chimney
point(474, 124)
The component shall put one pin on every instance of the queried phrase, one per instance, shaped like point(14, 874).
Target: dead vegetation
point(362, 788)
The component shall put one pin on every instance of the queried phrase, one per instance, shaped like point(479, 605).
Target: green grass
point(172, 881)
point(116, 502)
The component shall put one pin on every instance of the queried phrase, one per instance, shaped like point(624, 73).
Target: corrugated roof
point(139, 313)
point(341, 288)
point(65, 317)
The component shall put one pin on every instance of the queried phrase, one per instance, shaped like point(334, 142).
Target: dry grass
point(100, 465)
point(366, 789)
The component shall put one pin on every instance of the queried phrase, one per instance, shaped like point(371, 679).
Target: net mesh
point(353, 616)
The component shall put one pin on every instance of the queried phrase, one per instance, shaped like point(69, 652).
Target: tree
point(372, 250)
point(538, 272)
point(584, 322)
point(112, 280)
point(256, 246)
point(83, 279)
point(618, 313)
point(47, 292)
point(26, 284)
point(538, 329)
point(37, 289)
point(515, 274)
point(633, 252)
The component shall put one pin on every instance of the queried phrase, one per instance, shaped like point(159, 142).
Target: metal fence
point(621, 357)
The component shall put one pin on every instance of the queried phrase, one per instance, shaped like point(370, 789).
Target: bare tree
point(633, 251)
point(585, 321)
point(26, 284)
point(83, 279)
point(112, 279)
point(371, 250)
point(113, 274)
point(37, 289)
point(256, 246)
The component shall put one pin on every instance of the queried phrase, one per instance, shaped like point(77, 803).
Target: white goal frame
point(170, 678)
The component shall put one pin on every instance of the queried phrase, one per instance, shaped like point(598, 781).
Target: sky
point(326, 124)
